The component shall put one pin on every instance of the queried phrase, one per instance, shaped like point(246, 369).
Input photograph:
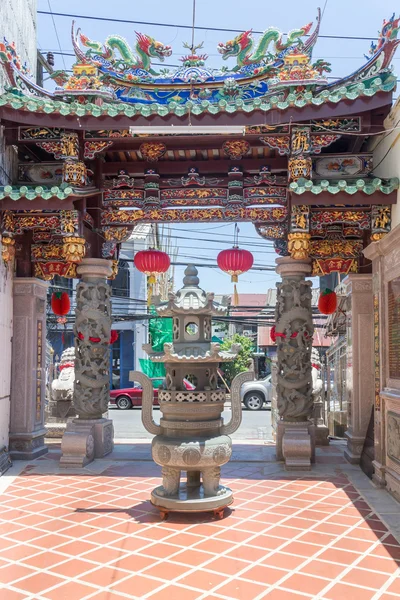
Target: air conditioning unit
point(247, 333)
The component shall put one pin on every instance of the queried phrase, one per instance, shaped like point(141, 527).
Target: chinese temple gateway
point(266, 139)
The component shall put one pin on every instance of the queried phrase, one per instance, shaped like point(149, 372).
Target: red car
point(129, 397)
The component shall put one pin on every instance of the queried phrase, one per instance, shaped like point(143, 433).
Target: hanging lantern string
point(236, 236)
point(234, 278)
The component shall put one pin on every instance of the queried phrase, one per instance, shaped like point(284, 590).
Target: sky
point(356, 18)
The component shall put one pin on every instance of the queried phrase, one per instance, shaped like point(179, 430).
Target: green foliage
point(243, 359)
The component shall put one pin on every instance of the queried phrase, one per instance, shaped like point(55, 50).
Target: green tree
point(242, 361)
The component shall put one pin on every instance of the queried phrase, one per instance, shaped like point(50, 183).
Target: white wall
point(386, 148)
point(17, 24)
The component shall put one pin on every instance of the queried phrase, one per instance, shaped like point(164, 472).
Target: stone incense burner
point(192, 436)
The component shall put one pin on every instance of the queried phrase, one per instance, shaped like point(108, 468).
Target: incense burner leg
point(170, 484)
point(211, 479)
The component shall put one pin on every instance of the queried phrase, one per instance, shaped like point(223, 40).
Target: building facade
point(385, 299)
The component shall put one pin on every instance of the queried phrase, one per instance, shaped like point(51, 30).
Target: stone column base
point(393, 483)
point(378, 477)
point(57, 415)
point(86, 439)
point(27, 446)
point(55, 429)
point(295, 445)
point(355, 445)
point(321, 435)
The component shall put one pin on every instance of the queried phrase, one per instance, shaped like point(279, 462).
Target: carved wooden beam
point(181, 167)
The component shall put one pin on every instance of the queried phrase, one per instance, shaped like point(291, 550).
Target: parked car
point(254, 394)
point(127, 398)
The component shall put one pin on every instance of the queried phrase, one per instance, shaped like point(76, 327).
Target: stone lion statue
point(316, 375)
point(63, 387)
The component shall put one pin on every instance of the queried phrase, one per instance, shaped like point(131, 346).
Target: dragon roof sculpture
point(274, 72)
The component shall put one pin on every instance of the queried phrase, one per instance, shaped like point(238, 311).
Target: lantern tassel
point(150, 288)
point(235, 300)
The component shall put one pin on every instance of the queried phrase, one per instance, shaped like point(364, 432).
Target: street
point(256, 425)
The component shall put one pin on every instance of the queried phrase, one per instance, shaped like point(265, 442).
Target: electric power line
point(196, 27)
point(55, 29)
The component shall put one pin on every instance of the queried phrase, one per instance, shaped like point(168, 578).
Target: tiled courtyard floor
point(70, 536)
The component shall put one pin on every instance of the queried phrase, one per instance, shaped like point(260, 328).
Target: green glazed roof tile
point(17, 192)
point(384, 82)
point(367, 186)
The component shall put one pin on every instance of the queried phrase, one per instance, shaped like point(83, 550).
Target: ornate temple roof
point(191, 299)
point(265, 138)
point(272, 73)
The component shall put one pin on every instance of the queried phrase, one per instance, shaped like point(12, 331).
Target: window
point(192, 328)
point(116, 364)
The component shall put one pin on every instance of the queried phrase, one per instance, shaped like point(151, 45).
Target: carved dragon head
point(8, 55)
point(241, 42)
point(307, 28)
point(389, 32)
point(151, 47)
point(60, 77)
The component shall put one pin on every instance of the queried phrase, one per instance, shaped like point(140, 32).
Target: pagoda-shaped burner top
point(191, 309)
point(191, 299)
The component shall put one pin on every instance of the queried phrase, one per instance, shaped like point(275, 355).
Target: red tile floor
point(75, 537)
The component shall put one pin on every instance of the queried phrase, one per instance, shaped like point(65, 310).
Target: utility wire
point(197, 27)
point(55, 29)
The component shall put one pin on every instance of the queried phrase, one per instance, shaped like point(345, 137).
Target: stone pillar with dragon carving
point(90, 435)
point(294, 332)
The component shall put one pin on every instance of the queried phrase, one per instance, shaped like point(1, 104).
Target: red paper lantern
point(235, 261)
point(151, 262)
point(327, 302)
point(272, 334)
point(60, 303)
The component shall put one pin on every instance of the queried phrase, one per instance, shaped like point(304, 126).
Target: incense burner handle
point(147, 401)
point(236, 403)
